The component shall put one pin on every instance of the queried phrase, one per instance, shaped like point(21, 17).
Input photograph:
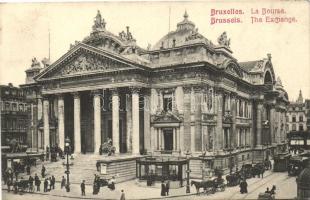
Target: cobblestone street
point(286, 189)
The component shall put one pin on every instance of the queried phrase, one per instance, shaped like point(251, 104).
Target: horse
point(204, 184)
point(258, 170)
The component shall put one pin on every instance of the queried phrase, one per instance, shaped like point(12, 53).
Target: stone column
point(198, 132)
point(135, 121)
point(77, 122)
point(219, 125)
point(187, 118)
point(174, 139)
point(259, 123)
point(147, 122)
point(40, 110)
point(61, 121)
point(115, 119)
point(46, 123)
point(273, 115)
point(181, 136)
point(129, 123)
point(97, 121)
point(233, 114)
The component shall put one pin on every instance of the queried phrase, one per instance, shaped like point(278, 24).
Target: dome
point(185, 33)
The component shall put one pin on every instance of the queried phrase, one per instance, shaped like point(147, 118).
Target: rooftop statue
point(125, 36)
point(223, 40)
point(99, 23)
point(35, 62)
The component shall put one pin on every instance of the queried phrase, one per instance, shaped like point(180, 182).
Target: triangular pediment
point(166, 117)
point(85, 60)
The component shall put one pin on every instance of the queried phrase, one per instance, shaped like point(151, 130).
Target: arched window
point(267, 78)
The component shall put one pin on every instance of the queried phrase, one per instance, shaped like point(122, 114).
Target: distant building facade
point(184, 95)
point(298, 114)
point(15, 115)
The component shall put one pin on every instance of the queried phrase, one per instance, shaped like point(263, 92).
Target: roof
point(248, 65)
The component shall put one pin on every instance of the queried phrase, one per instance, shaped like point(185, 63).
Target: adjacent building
point(184, 95)
point(15, 115)
point(297, 114)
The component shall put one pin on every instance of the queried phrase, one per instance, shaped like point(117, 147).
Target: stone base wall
point(123, 169)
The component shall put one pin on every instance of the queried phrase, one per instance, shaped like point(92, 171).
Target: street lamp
point(188, 188)
point(67, 151)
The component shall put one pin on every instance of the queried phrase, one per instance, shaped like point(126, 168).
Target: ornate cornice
point(135, 90)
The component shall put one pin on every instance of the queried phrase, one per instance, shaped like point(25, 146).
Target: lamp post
point(188, 189)
point(67, 151)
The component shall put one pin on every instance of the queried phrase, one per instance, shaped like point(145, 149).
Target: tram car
point(296, 164)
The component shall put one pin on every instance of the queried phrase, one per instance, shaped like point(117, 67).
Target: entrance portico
point(97, 115)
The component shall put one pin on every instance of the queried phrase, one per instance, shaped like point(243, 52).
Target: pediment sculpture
point(89, 63)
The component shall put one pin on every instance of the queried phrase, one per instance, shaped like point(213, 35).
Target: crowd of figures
point(27, 185)
point(54, 152)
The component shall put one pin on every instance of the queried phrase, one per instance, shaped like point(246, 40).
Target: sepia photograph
point(155, 100)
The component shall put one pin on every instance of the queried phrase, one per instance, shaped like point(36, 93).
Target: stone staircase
point(82, 167)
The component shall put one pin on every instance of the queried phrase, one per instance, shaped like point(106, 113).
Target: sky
point(25, 28)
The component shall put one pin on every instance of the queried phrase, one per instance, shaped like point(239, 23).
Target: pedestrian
point(163, 189)
point(112, 183)
point(49, 180)
point(267, 190)
point(43, 170)
point(273, 190)
point(28, 169)
point(167, 187)
point(45, 185)
point(83, 188)
point(31, 182)
point(98, 166)
point(9, 183)
point(53, 180)
point(16, 174)
point(63, 182)
point(243, 186)
point(37, 182)
point(47, 152)
point(122, 195)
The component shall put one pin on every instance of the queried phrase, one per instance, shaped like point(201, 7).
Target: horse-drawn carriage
point(210, 186)
point(266, 196)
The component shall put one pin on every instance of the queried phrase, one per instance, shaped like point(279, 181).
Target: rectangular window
point(301, 127)
point(301, 119)
point(293, 127)
point(294, 118)
point(167, 102)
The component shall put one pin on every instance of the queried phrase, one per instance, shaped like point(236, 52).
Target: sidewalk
point(132, 191)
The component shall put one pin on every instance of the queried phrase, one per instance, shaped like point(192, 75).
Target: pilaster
point(187, 118)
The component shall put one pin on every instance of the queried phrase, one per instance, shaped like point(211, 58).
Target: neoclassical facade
point(184, 95)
